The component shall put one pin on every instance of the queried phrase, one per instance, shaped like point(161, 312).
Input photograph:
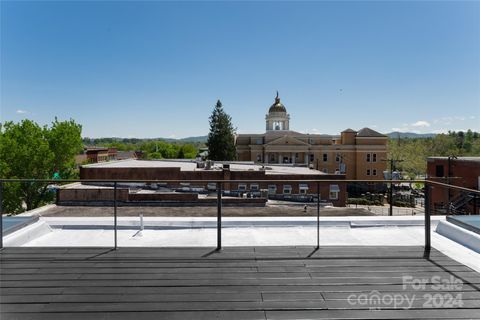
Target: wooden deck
point(236, 283)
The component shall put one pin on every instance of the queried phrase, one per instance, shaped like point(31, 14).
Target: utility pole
point(449, 175)
point(390, 194)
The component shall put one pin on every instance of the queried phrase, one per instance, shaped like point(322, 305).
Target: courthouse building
point(357, 154)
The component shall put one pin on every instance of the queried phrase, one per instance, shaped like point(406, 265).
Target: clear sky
point(156, 69)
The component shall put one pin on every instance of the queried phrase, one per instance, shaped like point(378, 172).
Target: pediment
point(287, 140)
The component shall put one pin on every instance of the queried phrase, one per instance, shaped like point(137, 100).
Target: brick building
point(357, 154)
point(462, 172)
point(252, 179)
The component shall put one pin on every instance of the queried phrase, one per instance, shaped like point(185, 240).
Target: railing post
point(318, 215)
point(474, 204)
point(390, 209)
point(219, 215)
point(427, 217)
point(1, 214)
point(115, 213)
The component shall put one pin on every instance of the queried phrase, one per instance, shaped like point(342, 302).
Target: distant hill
point(396, 134)
point(93, 141)
point(201, 139)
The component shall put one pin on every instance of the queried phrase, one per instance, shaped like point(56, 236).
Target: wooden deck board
point(235, 283)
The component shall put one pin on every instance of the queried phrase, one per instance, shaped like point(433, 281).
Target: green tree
point(65, 141)
point(187, 151)
point(221, 138)
point(181, 153)
point(415, 151)
point(28, 151)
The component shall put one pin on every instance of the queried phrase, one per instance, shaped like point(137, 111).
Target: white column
point(280, 160)
point(293, 157)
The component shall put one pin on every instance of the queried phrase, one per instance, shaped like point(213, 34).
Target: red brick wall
point(91, 195)
point(174, 173)
point(463, 173)
point(190, 197)
point(99, 173)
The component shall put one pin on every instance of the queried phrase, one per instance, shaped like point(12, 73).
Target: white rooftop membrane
point(246, 231)
point(192, 166)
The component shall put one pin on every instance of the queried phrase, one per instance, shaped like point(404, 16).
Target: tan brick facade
point(360, 155)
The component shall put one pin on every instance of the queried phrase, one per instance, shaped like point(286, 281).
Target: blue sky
point(156, 69)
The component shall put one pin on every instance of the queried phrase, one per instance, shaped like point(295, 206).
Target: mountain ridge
point(203, 139)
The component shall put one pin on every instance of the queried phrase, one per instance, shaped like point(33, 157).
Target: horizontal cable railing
point(220, 190)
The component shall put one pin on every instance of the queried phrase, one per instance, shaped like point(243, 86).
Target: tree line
point(150, 148)
point(415, 151)
point(220, 142)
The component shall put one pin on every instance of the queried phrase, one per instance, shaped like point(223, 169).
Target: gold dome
point(277, 106)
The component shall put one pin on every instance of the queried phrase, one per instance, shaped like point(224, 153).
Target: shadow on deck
point(236, 283)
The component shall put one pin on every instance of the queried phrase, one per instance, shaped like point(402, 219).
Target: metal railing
point(219, 190)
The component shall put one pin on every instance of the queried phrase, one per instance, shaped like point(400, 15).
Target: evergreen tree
point(221, 138)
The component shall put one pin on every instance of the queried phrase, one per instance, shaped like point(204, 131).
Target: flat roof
point(190, 165)
point(475, 159)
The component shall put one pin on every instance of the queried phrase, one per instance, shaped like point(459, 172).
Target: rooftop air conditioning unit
point(208, 164)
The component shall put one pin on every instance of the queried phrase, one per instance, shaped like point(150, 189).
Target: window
point(296, 155)
point(312, 157)
point(371, 157)
point(272, 189)
point(374, 172)
point(368, 172)
point(254, 187)
point(287, 189)
point(334, 190)
point(259, 141)
point(325, 170)
point(439, 172)
point(337, 158)
point(212, 186)
point(242, 187)
point(185, 186)
point(303, 187)
point(325, 157)
point(259, 157)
